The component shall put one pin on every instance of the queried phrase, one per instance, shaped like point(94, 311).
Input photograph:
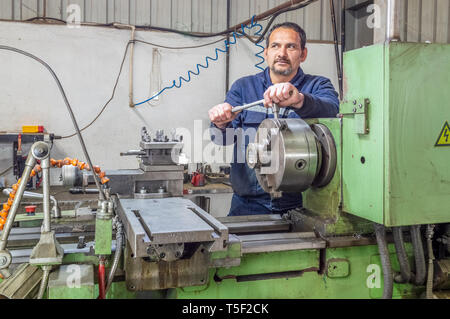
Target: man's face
point(284, 53)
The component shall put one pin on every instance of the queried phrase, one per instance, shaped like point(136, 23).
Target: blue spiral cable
point(227, 43)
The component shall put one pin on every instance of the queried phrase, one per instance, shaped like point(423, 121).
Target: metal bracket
point(361, 123)
point(360, 111)
point(48, 251)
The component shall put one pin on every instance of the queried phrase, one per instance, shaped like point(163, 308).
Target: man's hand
point(280, 94)
point(221, 114)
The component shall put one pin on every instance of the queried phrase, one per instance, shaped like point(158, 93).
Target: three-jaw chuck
point(288, 155)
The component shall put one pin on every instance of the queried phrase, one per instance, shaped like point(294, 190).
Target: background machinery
point(375, 221)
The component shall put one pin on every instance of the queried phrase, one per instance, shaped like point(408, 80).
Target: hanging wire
point(235, 35)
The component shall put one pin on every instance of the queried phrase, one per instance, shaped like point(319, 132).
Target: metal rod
point(29, 164)
point(45, 164)
point(131, 103)
point(393, 21)
point(275, 107)
point(246, 106)
point(342, 37)
point(275, 110)
point(336, 48)
point(27, 194)
point(227, 64)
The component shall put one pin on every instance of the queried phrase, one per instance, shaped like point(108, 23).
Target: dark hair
point(289, 25)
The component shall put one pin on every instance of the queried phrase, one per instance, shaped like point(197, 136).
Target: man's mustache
point(283, 60)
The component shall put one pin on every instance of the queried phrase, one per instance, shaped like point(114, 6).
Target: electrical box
point(395, 133)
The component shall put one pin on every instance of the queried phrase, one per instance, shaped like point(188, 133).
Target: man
point(298, 95)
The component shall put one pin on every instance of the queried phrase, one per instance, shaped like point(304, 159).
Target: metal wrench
point(275, 108)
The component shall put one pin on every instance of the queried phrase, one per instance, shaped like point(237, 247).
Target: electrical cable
point(227, 44)
point(117, 254)
point(66, 101)
point(45, 18)
point(177, 48)
point(276, 14)
point(430, 277)
point(186, 33)
point(110, 99)
point(383, 250)
point(120, 72)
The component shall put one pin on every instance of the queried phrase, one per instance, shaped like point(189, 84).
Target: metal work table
point(219, 188)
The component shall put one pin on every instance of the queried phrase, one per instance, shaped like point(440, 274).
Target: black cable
point(45, 18)
point(191, 34)
point(416, 240)
point(110, 99)
point(178, 48)
point(402, 257)
point(69, 108)
point(383, 250)
point(93, 24)
point(276, 14)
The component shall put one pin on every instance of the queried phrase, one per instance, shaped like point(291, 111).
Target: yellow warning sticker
point(444, 137)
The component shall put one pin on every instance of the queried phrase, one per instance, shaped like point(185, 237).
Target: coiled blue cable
point(227, 43)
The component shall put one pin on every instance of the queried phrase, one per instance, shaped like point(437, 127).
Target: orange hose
point(37, 168)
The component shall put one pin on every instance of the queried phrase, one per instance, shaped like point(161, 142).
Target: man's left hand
point(280, 94)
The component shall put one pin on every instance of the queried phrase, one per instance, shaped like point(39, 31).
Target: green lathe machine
point(375, 222)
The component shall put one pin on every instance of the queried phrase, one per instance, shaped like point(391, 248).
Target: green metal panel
point(72, 282)
point(349, 281)
point(393, 174)
point(346, 273)
point(118, 290)
point(263, 263)
point(363, 156)
point(103, 236)
point(418, 183)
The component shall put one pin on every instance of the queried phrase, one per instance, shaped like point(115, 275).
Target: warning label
point(444, 137)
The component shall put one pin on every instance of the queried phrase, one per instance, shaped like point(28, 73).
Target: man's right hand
point(221, 114)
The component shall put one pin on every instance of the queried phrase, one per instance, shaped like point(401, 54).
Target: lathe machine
point(375, 222)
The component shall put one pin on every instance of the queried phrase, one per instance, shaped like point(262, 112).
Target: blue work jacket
point(321, 100)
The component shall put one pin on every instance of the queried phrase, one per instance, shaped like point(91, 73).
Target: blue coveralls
point(321, 100)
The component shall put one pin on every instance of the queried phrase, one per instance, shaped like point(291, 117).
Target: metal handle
point(55, 210)
point(246, 106)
